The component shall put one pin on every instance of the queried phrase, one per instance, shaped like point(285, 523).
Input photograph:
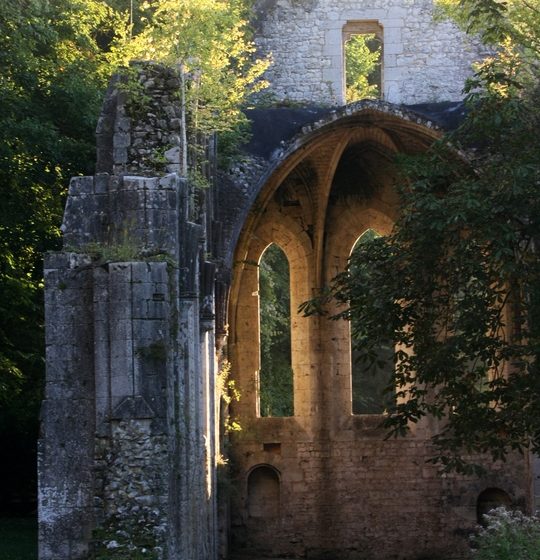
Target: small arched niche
point(489, 499)
point(370, 379)
point(275, 396)
point(263, 492)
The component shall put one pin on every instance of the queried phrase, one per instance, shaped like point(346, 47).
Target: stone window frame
point(261, 357)
point(362, 27)
point(293, 240)
point(342, 237)
point(351, 350)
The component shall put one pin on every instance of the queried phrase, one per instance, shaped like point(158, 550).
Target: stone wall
point(357, 498)
point(129, 443)
point(324, 483)
point(66, 447)
point(424, 60)
point(140, 129)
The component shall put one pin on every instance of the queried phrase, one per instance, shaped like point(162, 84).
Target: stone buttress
point(128, 444)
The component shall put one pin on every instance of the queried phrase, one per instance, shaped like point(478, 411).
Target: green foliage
point(130, 538)
point(372, 375)
point(508, 535)
point(56, 58)
point(458, 280)
point(54, 65)
point(210, 41)
point(362, 67)
point(228, 392)
point(497, 23)
point(18, 538)
point(276, 376)
point(137, 98)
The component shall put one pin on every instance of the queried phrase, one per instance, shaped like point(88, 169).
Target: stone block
point(173, 155)
point(120, 156)
point(101, 183)
point(121, 140)
point(81, 185)
point(123, 124)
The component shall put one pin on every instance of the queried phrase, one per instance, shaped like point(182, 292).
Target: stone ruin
point(156, 290)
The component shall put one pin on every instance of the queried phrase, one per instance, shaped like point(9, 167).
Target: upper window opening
point(275, 375)
point(362, 52)
point(370, 379)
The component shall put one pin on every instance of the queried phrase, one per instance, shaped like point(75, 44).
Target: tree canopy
point(210, 40)
point(458, 279)
point(54, 65)
point(56, 58)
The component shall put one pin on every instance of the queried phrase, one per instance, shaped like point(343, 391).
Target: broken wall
point(128, 444)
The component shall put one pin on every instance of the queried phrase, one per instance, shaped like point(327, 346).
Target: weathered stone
point(173, 155)
point(129, 449)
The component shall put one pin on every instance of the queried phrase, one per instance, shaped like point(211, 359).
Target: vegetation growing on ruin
point(507, 535)
point(210, 43)
point(458, 280)
point(228, 392)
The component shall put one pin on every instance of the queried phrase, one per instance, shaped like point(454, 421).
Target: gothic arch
point(325, 189)
point(263, 491)
point(386, 124)
point(327, 186)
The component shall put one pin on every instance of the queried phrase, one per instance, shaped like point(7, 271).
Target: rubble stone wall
point(128, 444)
point(424, 60)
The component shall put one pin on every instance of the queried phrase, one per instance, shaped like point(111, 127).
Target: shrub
point(508, 535)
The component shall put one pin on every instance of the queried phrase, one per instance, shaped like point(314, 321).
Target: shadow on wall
point(263, 493)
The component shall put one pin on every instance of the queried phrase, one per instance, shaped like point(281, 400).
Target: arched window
point(263, 492)
point(370, 379)
point(275, 374)
point(362, 54)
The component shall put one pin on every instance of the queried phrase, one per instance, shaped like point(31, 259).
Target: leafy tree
point(56, 58)
point(458, 280)
point(370, 377)
point(276, 377)
point(54, 65)
point(210, 41)
point(362, 67)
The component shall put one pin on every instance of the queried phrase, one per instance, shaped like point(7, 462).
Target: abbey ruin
point(157, 287)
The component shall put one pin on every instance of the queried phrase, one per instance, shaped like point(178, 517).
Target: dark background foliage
point(53, 69)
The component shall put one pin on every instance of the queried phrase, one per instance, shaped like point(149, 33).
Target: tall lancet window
point(275, 374)
point(370, 378)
